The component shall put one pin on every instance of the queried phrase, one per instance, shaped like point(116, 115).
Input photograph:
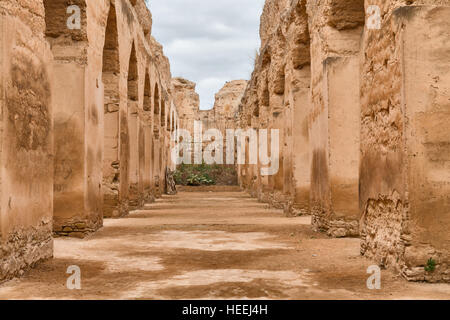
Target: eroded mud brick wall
point(277, 97)
point(162, 124)
point(346, 96)
point(78, 116)
point(222, 116)
point(405, 151)
point(187, 101)
point(111, 89)
point(26, 138)
point(85, 123)
point(336, 28)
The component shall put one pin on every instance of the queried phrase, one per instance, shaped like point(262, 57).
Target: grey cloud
point(208, 41)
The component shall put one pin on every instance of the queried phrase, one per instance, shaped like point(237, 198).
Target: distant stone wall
point(222, 116)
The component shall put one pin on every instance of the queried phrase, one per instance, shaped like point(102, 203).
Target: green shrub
point(199, 179)
point(205, 174)
point(431, 265)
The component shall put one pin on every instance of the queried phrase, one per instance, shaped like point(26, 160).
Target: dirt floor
point(211, 245)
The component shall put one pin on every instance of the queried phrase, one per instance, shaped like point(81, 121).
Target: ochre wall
point(77, 123)
point(363, 147)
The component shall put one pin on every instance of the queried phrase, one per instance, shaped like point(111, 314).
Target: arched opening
point(168, 124)
point(163, 112)
point(111, 158)
point(147, 93)
point(76, 118)
point(133, 76)
point(134, 129)
point(147, 143)
point(156, 105)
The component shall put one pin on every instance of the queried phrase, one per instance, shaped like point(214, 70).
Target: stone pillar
point(335, 149)
point(148, 160)
point(157, 164)
point(300, 169)
point(134, 124)
point(79, 120)
point(278, 197)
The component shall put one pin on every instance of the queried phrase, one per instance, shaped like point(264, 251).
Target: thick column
point(333, 119)
point(298, 171)
point(278, 197)
point(71, 213)
point(335, 152)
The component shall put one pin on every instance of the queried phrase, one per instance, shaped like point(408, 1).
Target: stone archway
point(146, 166)
point(111, 77)
point(156, 139)
point(135, 200)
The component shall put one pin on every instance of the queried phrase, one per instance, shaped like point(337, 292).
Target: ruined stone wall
point(86, 117)
point(277, 97)
point(113, 53)
point(336, 29)
point(404, 196)
point(187, 101)
point(26, 138)
point(222, 116)
point(361, 113)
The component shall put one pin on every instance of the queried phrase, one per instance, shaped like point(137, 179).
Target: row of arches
point(295, 92)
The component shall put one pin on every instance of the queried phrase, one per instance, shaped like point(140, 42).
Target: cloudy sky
point(208, 41)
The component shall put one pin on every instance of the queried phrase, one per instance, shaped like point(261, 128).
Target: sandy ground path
point(211, 245)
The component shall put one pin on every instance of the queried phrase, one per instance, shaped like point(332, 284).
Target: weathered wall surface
point(404, 144)
point(103, 91)
point(221, 117)
point(187, 102)
point(26, 138)
point(114, 66)
point(277, 97)
point(361, 113)
point(336, 29)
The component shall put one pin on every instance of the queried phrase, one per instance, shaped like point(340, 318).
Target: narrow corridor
point(210, 245)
